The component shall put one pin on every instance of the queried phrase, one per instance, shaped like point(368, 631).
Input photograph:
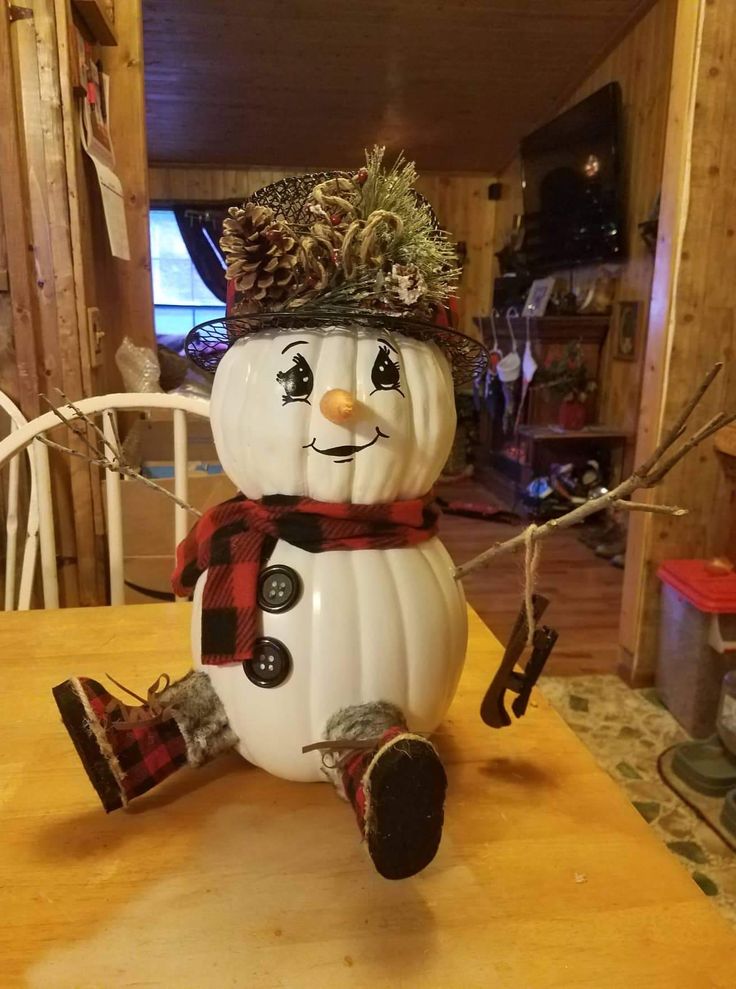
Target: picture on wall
point(626, 330)
point(538, 297)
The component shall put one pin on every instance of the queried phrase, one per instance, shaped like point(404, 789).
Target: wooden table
point(228, 877)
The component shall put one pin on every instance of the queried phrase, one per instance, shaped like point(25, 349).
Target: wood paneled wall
point(8, 374)
point(124, 289)
point(642, 64)
point(461, 203)
point(60, 271)
point(692, 318)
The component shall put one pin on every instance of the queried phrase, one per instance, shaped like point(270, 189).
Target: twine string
point(152, 711)
point(337, 752)
point(531, 566)
point(357, 241)
point(327, 194)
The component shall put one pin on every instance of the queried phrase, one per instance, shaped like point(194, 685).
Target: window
point(180, 297)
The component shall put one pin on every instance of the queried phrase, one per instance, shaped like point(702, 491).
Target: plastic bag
point(138, 367)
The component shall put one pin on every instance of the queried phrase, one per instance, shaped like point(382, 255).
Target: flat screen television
point(571, 177)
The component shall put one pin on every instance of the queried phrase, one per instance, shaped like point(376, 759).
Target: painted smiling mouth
point(344, 451)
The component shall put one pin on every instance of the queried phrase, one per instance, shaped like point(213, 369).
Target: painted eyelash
point(300, 366)
point(394, 365)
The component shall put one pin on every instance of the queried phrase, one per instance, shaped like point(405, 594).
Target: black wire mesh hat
point(303, 254)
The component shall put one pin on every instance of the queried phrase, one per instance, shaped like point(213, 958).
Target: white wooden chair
point(107, 406)
point(39, 522)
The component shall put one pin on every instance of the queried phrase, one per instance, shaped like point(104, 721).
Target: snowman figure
point(328, 632)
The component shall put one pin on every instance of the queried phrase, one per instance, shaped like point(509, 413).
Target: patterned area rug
point(626, 730)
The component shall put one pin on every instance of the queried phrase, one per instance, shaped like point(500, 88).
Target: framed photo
point(627, 316)
point(78, 58)
point(538, 297)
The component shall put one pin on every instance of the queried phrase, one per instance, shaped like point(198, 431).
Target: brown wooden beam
point(692, 315)
point(15, 197)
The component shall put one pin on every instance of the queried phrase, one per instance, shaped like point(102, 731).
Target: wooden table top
point(225, 876)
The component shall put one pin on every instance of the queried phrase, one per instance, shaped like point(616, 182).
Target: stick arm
point(650, 473)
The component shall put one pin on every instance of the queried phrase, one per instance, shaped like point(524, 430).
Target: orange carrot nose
point(337, 405)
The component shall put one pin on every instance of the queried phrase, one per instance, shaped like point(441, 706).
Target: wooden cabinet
point(504, 460)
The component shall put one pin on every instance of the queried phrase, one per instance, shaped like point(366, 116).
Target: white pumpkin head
point(276, 433)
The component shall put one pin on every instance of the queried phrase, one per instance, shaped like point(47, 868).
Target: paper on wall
point(97, 142)
point(113, 203)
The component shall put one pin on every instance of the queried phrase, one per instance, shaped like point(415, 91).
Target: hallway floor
point(584, 591)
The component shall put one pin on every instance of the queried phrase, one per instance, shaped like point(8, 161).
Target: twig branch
point(641, 506)
point(71, 426)
point(679, 425)
point(647, 475)
point(718, 422)
point(119, 468)
point(116, 434)
point(83, 416)
point(98, 456)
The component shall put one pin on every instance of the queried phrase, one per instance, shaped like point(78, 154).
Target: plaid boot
point(125, 749)
point(395, 782)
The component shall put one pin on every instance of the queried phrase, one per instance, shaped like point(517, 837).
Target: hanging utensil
point(509, 370)
point(528, 370)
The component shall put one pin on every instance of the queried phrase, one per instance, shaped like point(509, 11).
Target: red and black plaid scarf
point(230, 542)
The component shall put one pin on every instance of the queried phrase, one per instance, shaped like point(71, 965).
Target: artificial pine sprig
point(373, 242)
point(420, 242)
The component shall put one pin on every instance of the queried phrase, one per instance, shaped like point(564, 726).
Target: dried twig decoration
point(98, 456)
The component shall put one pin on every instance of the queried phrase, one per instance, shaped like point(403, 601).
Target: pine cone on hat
point(261, 256)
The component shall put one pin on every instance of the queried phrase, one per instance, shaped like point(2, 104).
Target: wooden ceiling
point(456, 83)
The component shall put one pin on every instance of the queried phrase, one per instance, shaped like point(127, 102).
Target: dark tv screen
point(573, 203)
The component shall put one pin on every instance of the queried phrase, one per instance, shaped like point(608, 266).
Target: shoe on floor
point(591, 535)
point(607, 550)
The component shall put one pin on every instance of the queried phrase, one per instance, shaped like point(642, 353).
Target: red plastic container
point(706, 591)
point(697, 641)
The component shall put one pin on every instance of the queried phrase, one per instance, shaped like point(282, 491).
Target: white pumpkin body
point(370, 625)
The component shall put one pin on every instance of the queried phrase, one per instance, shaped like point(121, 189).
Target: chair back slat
point(11, 529)
point(47, 539)
point(114, 511)
point(40, 535)
point(28, 570)
point(182, 518)
point(18, 593)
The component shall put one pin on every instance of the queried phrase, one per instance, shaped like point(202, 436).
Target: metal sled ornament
point(329, 623)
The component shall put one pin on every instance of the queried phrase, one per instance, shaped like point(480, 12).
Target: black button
point(271, 663)
point(279, 589)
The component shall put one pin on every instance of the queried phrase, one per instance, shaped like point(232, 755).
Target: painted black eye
point(297, 382)
point(385, 375)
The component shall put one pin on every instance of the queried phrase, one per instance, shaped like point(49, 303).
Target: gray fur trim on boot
point(364, 720)
point(359, 722)
point(201, 718)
